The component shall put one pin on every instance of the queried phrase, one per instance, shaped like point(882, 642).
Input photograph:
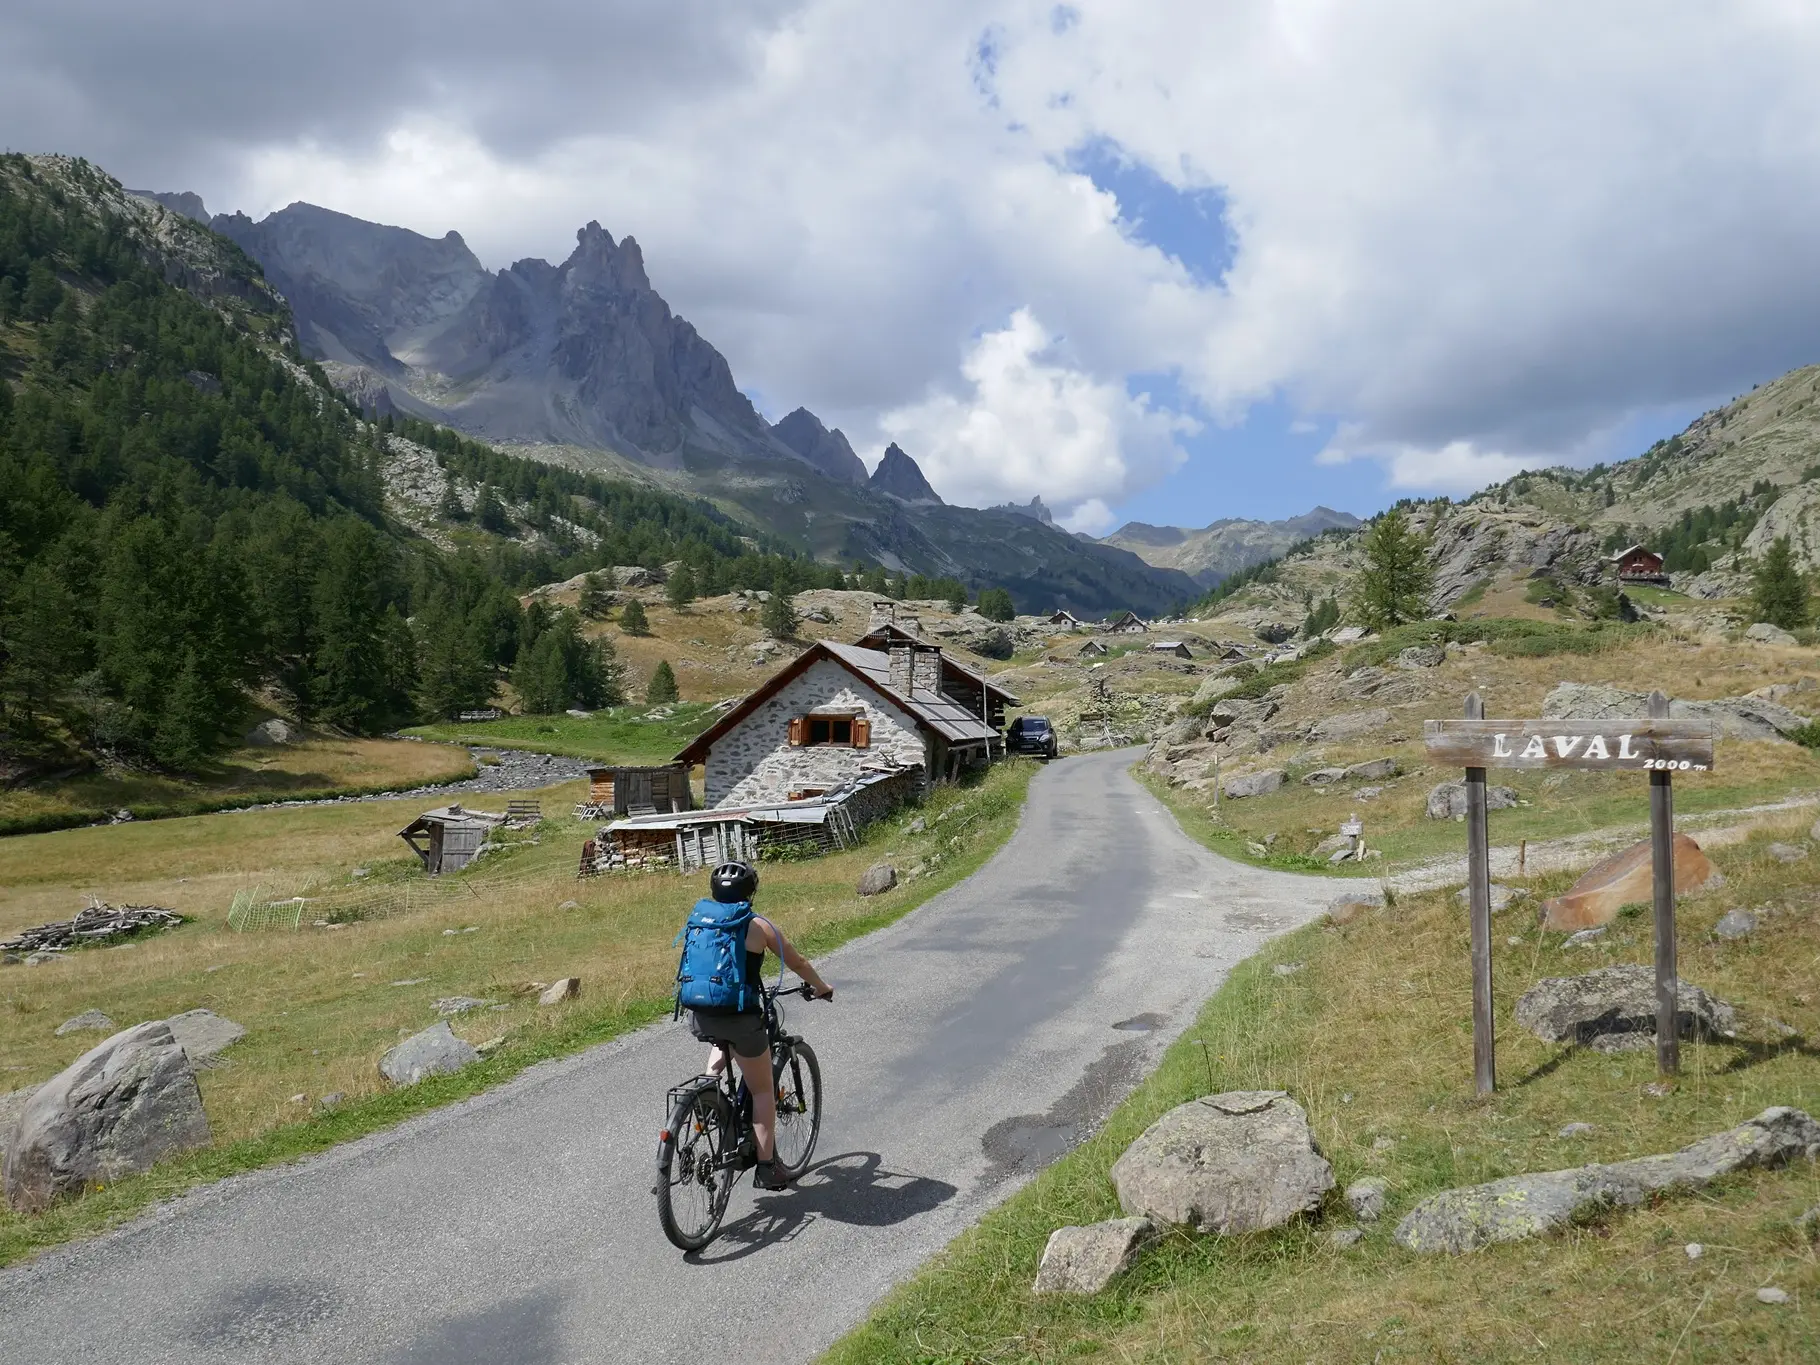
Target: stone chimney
point(926, 670)
point(901, 669)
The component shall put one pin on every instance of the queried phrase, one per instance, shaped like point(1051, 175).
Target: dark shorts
point(743, 1032)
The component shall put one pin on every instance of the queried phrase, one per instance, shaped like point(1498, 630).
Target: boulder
point(269, 732)
point(1333, 843)
point(569, 988)
point(1323, 777)
point(1522, 1206)
point(203, 1034)
point(450, 1006)
point(1366, 1198)
point(1349, 905)
point(1254, 784)
point(1085, 1260)
point(1735, 717)
point(434, 1052)
point(1447, 800)
point(1786, 853)
point(1613, 1009)
point(87, 1021)
point(1275, 632)
point(1373, 770)
point(1348, 725)
point(1238, 1162)
point(1421, 656)
point(12, 1105)
point(1212, 689)
point(1766, 634)
point(118, 1108)
point(1735, 924)
point(1502, 897)
point(878, 878)
point(1625, 878)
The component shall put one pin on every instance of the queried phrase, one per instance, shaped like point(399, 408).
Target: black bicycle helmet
point(733, 882)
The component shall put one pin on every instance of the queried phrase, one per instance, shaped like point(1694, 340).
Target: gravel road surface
point(971, 1043)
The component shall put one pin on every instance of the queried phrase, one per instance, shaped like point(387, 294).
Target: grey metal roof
point(945, 716)
point(810, 810)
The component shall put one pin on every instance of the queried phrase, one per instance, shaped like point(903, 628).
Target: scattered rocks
point(570, 905)
point(1421, 656)
point(1348, 725)
point(1254, 784)
point(1373, 770)
point(434, 1052)
point(1626, 878)
point(1807, 1226)
point(203, 1034)
point(1346, 1237)
point(1585, 937)
point(451, 1006)
point(1735, 924)
point(1447, 800)
point(1786, 853)
point(916, 826)
point(1323, 777)
point(1085, 1260)
point(569, 988)
point(1365, 1198)
point(1574, 1130)
point(1237, 1162)
point(330, 1100)
point(94, 924)
point(42, 957)
point(1523, 1206)
point(1736, 717)
point(1766, 634)
point(117, 1109)
point(1694, 1251)
point(1770, 1294)
point(877, 879)
point(1288, 968)
point(1613, 1009)
point(1349, 905)
point(88, 1020)
point(1502, 897)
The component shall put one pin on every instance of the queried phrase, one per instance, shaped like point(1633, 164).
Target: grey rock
point(878, 878)
point(1421, 656)
point(203, 1034)
point(1766, 634)
point(1085, 1260)
point(452, 1005)
point(1580, 938)
point(1237, 1162)
point(87, 1021)
point(1502, 897)
point(43, 958)
point(270, 732)
point(1447, 800)
point(117, 1109)
point(1736, 924)
point(1288, 968)
point(1574, 1130)
point(1369, 793)
point(1771, 1295)
point(1523, 1206)
point(1373, 770)
point(1735, 717)
point(12, 1105)
point(1348, 725)
point(1613, 1009)
point(916, 826)
point(1339, 855)
point(1323, 777)
point(1786, 853)
point(569, 988)
point(1807, 1226)
point(330, 1100)
point(434, 1052)
point(1346, 1237)
point(1349, 905)
point(1274, 632)
point(1366, 1198)
point(1254, 784)
point(1333, 843)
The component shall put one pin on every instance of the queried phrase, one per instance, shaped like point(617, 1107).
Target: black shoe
point(767, 1176)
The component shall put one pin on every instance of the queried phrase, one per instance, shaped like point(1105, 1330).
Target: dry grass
point(1373, 1036)
point(321, 1005)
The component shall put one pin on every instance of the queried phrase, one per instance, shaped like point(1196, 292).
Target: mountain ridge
point(1224, 547)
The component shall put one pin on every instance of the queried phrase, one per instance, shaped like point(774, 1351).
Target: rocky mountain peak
point(1034, 509)
point(827, 450)
point(186, 202)
point(901, 477)
point(598, 258)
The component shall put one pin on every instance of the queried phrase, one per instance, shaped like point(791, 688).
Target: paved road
point(972, 1042)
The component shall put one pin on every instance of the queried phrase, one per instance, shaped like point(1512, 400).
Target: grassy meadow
point(322, 1003)
point(620, 735)
point(1373, 1037)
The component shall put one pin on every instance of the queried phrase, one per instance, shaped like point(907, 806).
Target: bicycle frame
point(731, 1086)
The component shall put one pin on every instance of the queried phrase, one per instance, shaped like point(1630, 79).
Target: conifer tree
point(996, 605)
point(679, 591)
point(594, 597)
point(779, 617)
point(662, 687)
point(1781, 596)
point(632, 618)
point(1397, 577)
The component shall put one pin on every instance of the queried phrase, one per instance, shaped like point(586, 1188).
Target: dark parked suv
point(1031, 735)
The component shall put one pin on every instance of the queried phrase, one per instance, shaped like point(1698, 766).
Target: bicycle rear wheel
point(693, 1178)
point(798, 1086)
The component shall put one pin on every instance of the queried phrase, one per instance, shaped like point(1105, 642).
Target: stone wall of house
point(754, 762)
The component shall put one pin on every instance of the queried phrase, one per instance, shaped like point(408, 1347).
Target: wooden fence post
point(1478, 895)
point(1662, 868)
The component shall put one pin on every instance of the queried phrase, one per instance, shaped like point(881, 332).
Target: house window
point(842, 731)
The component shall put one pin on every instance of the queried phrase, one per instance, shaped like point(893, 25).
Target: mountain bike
point(708, 1140)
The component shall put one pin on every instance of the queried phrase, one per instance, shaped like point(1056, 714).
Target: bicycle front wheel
point(693, 1175)
point(798, 1085)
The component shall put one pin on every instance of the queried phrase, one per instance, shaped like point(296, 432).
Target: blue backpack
point(712, 972)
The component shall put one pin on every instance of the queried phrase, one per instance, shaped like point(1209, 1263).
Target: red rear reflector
point(664, 1136)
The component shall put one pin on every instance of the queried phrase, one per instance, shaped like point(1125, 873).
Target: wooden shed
point(1179, 648)
point(625, 790)
point(1639, 564)
point(449, 838)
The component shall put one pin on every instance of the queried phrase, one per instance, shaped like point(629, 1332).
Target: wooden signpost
point(1656, 745)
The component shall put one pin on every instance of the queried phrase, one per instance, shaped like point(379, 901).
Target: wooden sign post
point(1657, 745)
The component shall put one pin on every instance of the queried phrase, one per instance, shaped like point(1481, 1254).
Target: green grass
point(319, 1007)
point(620, 735)
point(1373, 1037)
point(1512, 637)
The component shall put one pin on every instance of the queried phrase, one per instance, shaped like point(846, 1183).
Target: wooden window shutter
point(799, 730)
point(862, 732)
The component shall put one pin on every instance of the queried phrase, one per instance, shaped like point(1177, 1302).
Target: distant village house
point(1179, 648)
point(1639, 564)
point(1066, 620)
point(1125, 623)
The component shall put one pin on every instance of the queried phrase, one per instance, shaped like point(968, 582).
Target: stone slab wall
point(753, 763)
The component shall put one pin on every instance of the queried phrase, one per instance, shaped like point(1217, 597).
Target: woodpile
point(97, 924)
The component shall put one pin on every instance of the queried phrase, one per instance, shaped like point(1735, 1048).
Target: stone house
point(837, 712)
point(1125, 623)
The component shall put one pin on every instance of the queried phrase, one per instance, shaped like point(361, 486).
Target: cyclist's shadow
point(854, 1188)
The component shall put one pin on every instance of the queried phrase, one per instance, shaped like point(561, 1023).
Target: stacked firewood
point(97, 924)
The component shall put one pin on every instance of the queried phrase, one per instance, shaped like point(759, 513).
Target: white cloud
point(1029, 424)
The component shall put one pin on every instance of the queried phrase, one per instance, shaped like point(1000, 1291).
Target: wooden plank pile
point(96, 924)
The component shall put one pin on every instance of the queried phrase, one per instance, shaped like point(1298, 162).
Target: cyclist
point(743, 1032)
